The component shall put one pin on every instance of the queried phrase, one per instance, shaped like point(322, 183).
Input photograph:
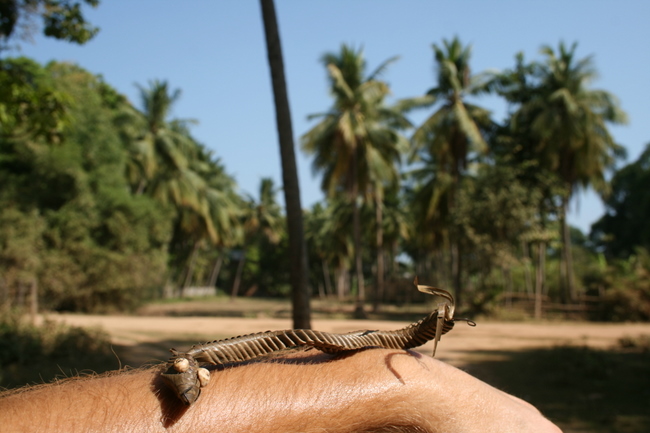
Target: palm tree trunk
point(393, 263)
point(326, 277)
point(539, 278)
point(379, 289)
point(527, 277)
point(240, 270)
point(190, 266)
point(216, 269)
point(507, 285)
point(359, 311)
point(456, 269)
point(567, 254)
point(341, 274)
point(361, 289)
point(297, 247)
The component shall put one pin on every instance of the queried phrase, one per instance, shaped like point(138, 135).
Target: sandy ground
point(147, 339)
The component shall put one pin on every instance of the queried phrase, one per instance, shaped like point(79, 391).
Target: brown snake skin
point(185, 376)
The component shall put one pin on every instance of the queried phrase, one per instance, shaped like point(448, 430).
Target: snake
point(185, 373)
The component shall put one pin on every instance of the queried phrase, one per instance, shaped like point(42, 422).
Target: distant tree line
point(105, 203)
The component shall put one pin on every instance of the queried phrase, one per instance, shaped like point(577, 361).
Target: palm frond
point(382, 68)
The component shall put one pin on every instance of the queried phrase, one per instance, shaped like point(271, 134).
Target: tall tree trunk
point(341, 279)
point(190, 267)
point(567, 254)
point(359, 311)
point(527, 277)
point(457, 270)
point(539, 278)
point(326, 277)
point(394, 266)
point(237, 282)
point(216, 269)
point(379, 289)
point(508, 285)
point(297, 247)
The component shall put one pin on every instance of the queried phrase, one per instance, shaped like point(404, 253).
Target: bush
point(37, 354)
point(626, 294)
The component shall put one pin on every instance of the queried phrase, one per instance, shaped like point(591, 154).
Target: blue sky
point(214, 51)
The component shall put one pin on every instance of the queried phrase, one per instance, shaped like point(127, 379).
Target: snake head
point(446, 308)
point(182, 376)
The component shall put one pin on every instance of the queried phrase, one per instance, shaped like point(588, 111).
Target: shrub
point(40, 353)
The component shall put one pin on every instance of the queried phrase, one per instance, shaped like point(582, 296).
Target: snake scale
point(186, 377)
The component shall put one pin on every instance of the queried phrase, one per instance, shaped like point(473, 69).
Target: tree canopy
point(61, 19)
point(106, 203)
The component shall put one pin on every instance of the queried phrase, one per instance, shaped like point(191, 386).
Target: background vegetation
point(107, 202)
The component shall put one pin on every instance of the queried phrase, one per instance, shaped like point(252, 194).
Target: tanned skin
point(377, 390)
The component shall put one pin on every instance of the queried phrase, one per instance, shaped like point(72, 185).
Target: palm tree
point(446, 139)
point(163, 143)
point(339, 241)
point(569, 123)
point(170, 166)
point(329, 235)
point(516, 145)
point(217, 225)
point(263, 219)
point(356, 143)
point(224, 206)
point(317, 243)
point(163, 155)
point(390, 227)
point(297, 248)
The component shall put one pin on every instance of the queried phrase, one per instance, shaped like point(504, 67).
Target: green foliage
point(624, 226)
point(624, 287)
point(167, 164)
point(91, 244)
point(30, 106)
point(356, 144)
point(104, 204)
point(62, 19)
point(264, 247)
point(32, 354)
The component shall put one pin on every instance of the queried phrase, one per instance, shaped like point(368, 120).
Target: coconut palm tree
point(163, 153)
point(446, 140)
point(339, 241)
point(329, 235)
point(217, 225)
point(262, 219)
point(163, 143)
point(569, 124)
point(356, 144)
point(390, 227)
point(169, 165)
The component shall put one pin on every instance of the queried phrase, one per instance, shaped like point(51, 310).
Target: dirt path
point(144, 339)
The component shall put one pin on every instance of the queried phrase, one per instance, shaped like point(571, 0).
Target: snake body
point(185, 376)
